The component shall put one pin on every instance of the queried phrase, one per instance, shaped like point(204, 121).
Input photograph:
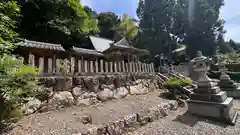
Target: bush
point(18, 82)
point(173, 81)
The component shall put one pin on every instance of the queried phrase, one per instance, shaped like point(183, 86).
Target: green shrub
point(18, 82)
point(173, 81)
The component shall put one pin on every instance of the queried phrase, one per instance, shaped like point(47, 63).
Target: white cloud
point(231, 14)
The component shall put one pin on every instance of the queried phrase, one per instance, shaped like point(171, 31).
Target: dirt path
point(68, 120)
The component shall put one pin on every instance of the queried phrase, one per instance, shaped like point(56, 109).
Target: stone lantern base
point(228, 85)
point(210, 101)
point(223, 111)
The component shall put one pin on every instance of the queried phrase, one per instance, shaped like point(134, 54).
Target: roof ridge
point(102, 38)
point(37, 42)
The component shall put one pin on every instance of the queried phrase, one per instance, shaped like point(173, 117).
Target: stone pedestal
point(226, 84)
point(207, 99)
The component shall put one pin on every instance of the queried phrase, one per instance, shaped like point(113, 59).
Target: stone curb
point(133, 121)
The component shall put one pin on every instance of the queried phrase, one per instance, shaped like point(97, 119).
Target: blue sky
point(230, 12)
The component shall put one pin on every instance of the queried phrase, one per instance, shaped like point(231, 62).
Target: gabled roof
point(122, 42)
point(100, 44)
point(124, 46)
point(40, 45)
point(86, 51)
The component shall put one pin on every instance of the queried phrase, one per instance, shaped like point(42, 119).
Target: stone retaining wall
point(132, 122)
point(83, 90)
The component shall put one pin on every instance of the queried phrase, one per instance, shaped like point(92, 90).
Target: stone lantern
point(207, 99)
point(226, 84)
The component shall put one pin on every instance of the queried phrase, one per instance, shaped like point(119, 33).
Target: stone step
point(113, 116)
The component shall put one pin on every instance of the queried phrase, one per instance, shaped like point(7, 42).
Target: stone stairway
point(114, 117)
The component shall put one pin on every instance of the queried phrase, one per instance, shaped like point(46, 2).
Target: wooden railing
point(52, 66)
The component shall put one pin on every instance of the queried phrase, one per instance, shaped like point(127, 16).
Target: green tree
point(233, 44)
point(203, 31)
point(127, 28)
point(158, 25)
point(57, 21)
point(106, 22)
point(93, 22)
point(17, 81)
point(9, 11)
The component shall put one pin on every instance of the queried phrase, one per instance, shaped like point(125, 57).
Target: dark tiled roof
point(40, 45)
point(86, 51)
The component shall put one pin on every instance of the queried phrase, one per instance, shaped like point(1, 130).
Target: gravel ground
point(181, 123)
point(68, 120)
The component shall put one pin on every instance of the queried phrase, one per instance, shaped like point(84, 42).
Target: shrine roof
point(40, 45)
point(100, 44)
point(124, 45)
point(87, 51)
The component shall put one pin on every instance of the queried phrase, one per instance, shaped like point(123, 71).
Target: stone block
point(233, 93)
point(213, 90)
point(163, 109)
point(86, 119)
point(219, 97)
point(131, 122)
point(120, 93)
point(222, 111)
point(78, 91)
point(143, 117)
point(31, 106)
point(102, 130)
point(85, 102)
point(115, 128)
point(154, 113)
point(173, 104)
point(105, 94)
point(63, 84)
point(61, 99)
point(92, 84)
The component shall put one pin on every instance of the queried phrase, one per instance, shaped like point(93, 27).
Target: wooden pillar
point(111, 67)
point(140, 67)
point(31, 59)
point(91, 67)
point(85, 66)
point(54, 63)
point(127, 67)
point(96, 65)
point(41, 65)
point(115, 66)
point(82, 67)
point(119, 66)
point(123, 66)
point(152, 67)
point(130, 67)
point(50, 67)
point(101, 66)
point(106, 66)
point(21, 60)
point(72, 64)
point(79, 66)
point(134, 67)
point(58, 65)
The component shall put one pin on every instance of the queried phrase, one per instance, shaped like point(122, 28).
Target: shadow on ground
point(191, 120)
